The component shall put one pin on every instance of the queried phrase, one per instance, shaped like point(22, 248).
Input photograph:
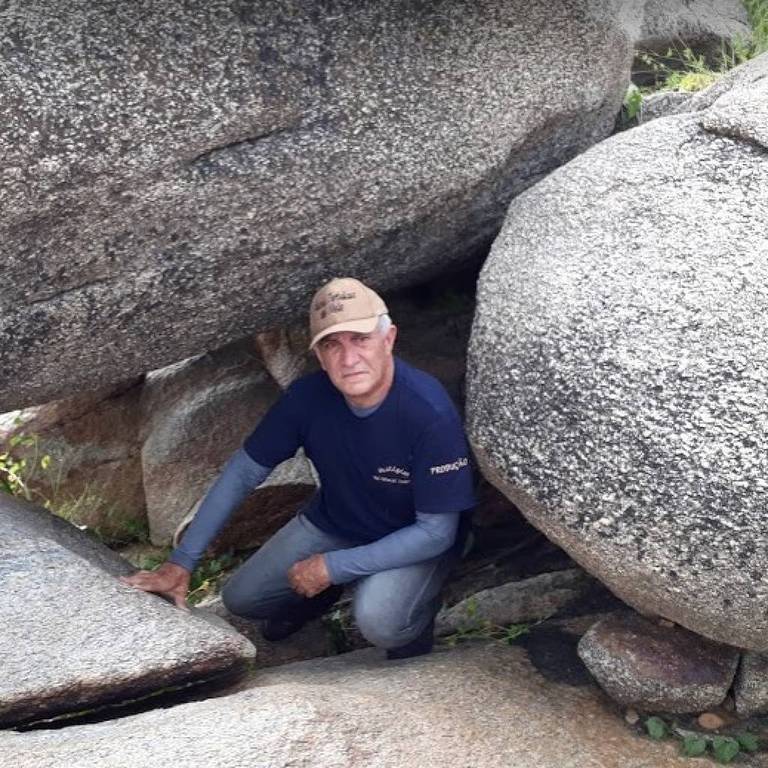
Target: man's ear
point(389, 338)
point(316, 350)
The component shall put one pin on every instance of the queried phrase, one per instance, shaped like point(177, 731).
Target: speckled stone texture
point(74, 637)
point(699, 24)
point(178, 175)
point(532, 599)
point(658, 668)
point(750, 689)
point(618, 364)
point(661, 104)
point(478, 706)
point(195, 415)
point(92, 440)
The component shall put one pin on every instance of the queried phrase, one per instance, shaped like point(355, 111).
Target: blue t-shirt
point(376, 471)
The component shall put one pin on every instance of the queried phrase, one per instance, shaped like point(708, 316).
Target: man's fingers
point(148, 581)
point(180, 601)
point(139, 579)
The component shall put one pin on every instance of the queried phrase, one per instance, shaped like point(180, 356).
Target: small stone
point(631, 716)
point(660, 669)
point(666, 623)
point(710, 721)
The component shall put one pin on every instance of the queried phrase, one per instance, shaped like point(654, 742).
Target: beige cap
point(344, 304)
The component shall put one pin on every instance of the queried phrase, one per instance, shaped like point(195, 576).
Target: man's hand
point(169, 580)
point(309, 577)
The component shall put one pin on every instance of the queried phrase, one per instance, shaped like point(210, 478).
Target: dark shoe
point(275, 629)
point(290, 621)
point(423, 644)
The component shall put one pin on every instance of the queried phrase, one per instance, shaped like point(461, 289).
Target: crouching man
point(393, 462)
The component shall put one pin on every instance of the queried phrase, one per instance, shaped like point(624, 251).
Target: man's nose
point(349, 354)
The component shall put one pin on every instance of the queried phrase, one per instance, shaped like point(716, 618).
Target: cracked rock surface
point(75, 638)
point(618, 365)
point(479, 705)
point(179, 175)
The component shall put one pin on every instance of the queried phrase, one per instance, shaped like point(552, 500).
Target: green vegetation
point(723, 748)
point(148, 562)
point(484, 629)
point(25, 471)
point(91, 512)
point(758, 19)
point(681, 69)
point(684, 70)
point(339, 629)
point(209, 574)
point(16, 468)
point(633, 100)
point(28, 472)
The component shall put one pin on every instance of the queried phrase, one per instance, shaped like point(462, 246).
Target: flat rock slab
point(659, 668)
point(482, 706)
point(75, 638)
point(532, 599)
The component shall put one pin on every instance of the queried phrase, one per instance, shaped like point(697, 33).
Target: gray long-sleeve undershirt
point(427, 537)
point(241, 474)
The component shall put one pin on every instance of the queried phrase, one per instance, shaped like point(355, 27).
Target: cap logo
point(332, 303)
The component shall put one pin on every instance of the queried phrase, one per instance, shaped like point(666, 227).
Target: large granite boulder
point(74, 637)
point(178, 175)
point(195, 415)
point(479, 705)
point(618, 364)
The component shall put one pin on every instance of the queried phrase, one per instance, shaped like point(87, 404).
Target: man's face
point(360, 365)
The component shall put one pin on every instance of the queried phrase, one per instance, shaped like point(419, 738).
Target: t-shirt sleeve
point(441, 470)
point(278, 435)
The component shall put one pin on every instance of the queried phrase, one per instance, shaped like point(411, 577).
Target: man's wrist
point(182, 559)
point(335, 573)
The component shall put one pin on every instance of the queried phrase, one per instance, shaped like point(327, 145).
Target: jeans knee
point(383, 628)
point(240, 602)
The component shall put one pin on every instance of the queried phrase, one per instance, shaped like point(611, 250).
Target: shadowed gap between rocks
point(165, 699)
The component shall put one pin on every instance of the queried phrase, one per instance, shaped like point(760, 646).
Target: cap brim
point(367, 325)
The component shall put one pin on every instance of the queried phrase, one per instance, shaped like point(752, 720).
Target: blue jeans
point(391, 608)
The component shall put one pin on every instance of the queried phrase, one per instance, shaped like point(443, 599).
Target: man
point(393, 462)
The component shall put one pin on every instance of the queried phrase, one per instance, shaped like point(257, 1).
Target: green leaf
point(656, 727)
point(694, 746)
point(45, 461)
point(725, 748)
point(633, 100)
point(748, 742)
